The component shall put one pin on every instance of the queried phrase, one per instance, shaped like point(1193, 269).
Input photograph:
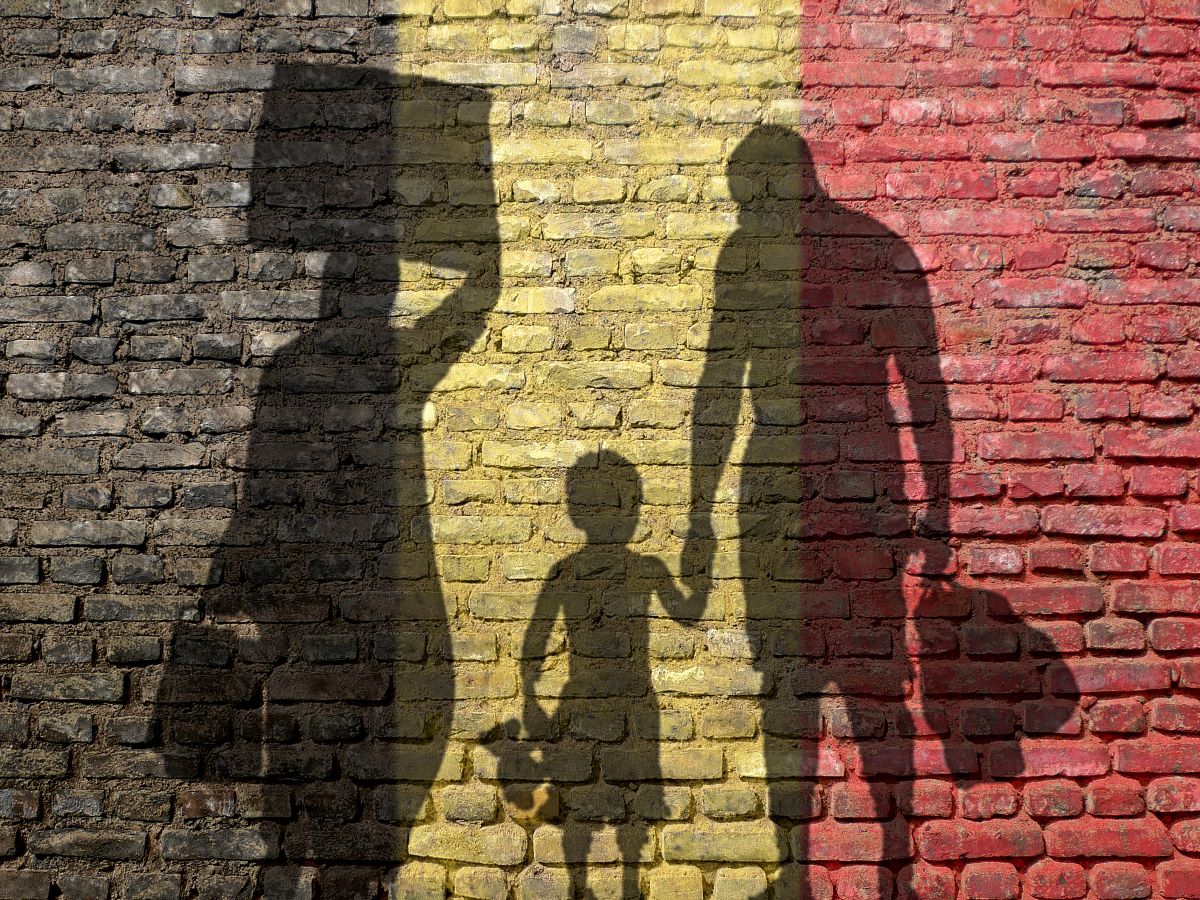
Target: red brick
point(1157, 756)
point(990, 881)
point(1177, 559)
point(1120, 881)
point(1044, 444)
point(1051, 880)
point(1115, 796)
point(1046, 600)
point(1003, 222)
point(1173, 794)
point(852, 841)
point(995, 839)
point(1157, 481)
point(1107, 676)
point(1104, 521)
point(1053, 799)
point(1057, 558)
point(1115, 634)
point(1114, 838)
point(987, 800)
point(1034, 483)
point(1175, 714)
point(1172, 635)
point(1046, 758)
point(1156, 597)
point(1117, 717)
point(1150, 443)
point(1024, 407)
point(1094, 481)
point(863, 882)
point(1115, 559)
point(1091, 406)
point(921, 881)
point(1033, 293)
point(1114, 365)
point(1179, 878)
point(1185, 836)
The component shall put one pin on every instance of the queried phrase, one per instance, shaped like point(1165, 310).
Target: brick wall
point(383, 515)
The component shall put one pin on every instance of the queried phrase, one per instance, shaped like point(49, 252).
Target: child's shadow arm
point(679, 605)
point(533, 657)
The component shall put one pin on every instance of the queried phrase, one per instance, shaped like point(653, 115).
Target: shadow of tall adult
point(876, 659)
point(312, 701)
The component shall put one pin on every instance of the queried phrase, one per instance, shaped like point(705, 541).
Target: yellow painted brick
point(526, 339)
point(653, 260)
point(596, 189)
point(480, 883)
point(654, 414)
point(590, 414)
point(466, 569)
point(497, 74)
point(541, 151)
point(608, 75)
point(453, 38)
point(756, 37)
point(693, 36)
point(646, 298)
point(682, 149)
point(652, 336)
point(588, 337)
point(535, 300)
point(736, 112)
point(695, 73)
point(536, 190)
point(573, 226)
point(515, 37)
point(526, 264)
point(543, 416)
point(740, 8)
point(528, 455)
point(528, 566)
point(612, 112)
point(551, 112)
point(600, 375)
point(634, 36)
point(403, 7)
point(489, 529)
point(714, 226)
point(584, 262)
point(668, 7)
point(469, 9)
point(532, 490)
point(668, 189)
point(464, 376)
point(676, 883)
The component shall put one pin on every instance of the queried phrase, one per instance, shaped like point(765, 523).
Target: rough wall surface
point(324, 388)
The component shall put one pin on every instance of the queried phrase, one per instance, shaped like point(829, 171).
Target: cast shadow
point(596, 667)
point(866, 636)
point(315, 694)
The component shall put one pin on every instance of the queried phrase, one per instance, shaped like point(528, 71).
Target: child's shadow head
point(604, 495)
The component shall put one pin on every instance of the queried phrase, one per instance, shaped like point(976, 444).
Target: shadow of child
point(587, 646)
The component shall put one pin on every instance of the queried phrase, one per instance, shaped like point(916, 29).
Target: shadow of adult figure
point(316, 691)
point(874, 655)
point(599, 672)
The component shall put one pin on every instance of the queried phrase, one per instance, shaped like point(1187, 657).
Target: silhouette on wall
point(319, 683)
point(841, 516)
point(602, 593)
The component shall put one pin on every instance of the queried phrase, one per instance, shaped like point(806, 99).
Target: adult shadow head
point(877, 657)
point(313, 697)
